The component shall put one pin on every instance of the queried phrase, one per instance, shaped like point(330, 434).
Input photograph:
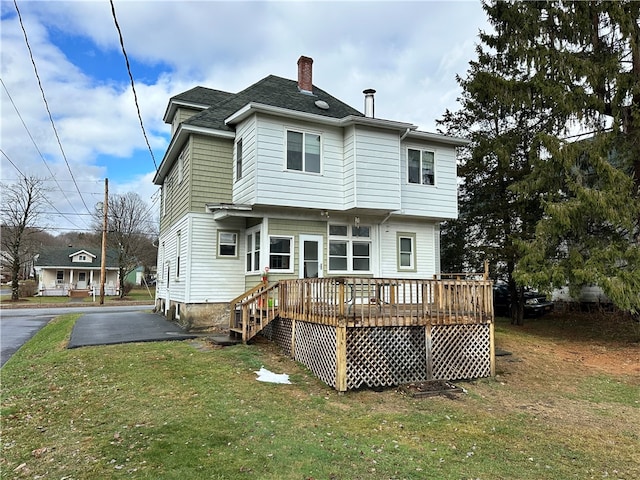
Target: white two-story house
point(285, 178)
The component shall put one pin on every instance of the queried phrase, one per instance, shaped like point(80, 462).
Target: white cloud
point(408, 51)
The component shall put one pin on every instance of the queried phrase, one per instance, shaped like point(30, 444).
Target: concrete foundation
point(204, 317)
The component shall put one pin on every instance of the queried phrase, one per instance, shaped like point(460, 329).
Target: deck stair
point(253, 311)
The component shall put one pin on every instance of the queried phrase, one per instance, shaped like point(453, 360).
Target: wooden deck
point(353, 332)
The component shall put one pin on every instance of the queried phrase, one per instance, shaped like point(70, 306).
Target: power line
point(45, 198)
point(35, 68)
point(13, 164)
point(133, 86)
point(34, 144)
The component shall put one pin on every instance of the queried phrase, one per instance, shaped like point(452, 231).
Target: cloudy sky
point(410, 52)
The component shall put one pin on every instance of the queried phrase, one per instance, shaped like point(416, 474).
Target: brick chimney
point(305, 73)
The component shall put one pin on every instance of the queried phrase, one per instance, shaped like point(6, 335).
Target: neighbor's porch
point(354, 332)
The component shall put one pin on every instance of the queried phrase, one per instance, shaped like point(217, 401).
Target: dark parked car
point(535, 304)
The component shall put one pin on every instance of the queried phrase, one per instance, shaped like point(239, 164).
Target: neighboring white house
point(63, 271)
point(284, 177)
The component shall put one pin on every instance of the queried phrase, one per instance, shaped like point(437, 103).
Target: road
point(17, 325)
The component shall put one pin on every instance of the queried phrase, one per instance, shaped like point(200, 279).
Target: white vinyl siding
point(349, 177)
point(275, 185)
point(244, 188)
point(377, 169)
point(439, 201)
point(425, 256)
point(204, 277)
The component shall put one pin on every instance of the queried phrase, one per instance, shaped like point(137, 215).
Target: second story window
point(303, 151)
point(421, 167)
point(239, 160)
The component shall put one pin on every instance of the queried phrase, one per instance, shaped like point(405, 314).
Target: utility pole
point(103, 265)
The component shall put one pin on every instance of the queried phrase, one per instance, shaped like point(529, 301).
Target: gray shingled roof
point(203, 96)
point(273, 91)
point(59, 257)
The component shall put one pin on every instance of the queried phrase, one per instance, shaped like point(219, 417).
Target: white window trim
point(239, 160)
point(178, 254)
point(256, 268)
point(220, 243)
point(291, 254)
point(412, 237)
point(350, 239)
point(435, 169)
point(304, 133)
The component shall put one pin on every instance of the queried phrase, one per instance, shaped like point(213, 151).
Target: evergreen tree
point(500, 115)
point(585, 59)
point(547, 71)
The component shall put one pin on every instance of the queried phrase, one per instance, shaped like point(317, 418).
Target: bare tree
point(20, 213)
point(130, 231)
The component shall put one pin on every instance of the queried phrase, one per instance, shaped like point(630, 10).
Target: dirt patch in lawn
point(580, 373)
point(575, 341)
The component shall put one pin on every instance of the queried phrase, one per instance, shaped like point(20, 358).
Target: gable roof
point(198, 98)
point(218, 107)
point(82, 251)
point(276, 92)
point(61, 257)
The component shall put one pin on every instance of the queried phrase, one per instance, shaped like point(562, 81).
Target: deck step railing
point(253, 310)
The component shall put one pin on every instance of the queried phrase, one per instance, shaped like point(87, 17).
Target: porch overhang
point(222, 211)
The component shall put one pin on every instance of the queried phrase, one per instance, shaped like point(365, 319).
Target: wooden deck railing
point(363, 302)
point(356, 301)
point(253, 310)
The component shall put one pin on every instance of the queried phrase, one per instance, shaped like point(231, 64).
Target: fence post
point(492, 349)
point(341, 356)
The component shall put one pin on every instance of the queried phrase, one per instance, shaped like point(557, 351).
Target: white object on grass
point(265, 375)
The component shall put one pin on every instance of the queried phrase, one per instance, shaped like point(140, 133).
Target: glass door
point(310, 256)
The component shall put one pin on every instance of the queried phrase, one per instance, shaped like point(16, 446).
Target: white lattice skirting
point(388, 356)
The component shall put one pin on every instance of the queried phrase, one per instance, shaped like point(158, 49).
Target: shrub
point(27, 288)
point(126, 288)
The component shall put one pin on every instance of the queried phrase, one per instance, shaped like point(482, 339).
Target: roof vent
point(321, 104)
point(369, 107)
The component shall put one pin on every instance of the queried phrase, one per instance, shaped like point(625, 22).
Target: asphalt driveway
point(104, 328)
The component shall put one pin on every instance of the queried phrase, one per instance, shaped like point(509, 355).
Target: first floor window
point(349, 248)
point(178, 249)
point(227, 244)
point(303, 151)
point(406, 251)
point(421, 167)
point(253, 251)
point(280, 253)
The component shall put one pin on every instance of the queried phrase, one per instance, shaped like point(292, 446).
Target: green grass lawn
point(139, 294)
point(187, 410)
